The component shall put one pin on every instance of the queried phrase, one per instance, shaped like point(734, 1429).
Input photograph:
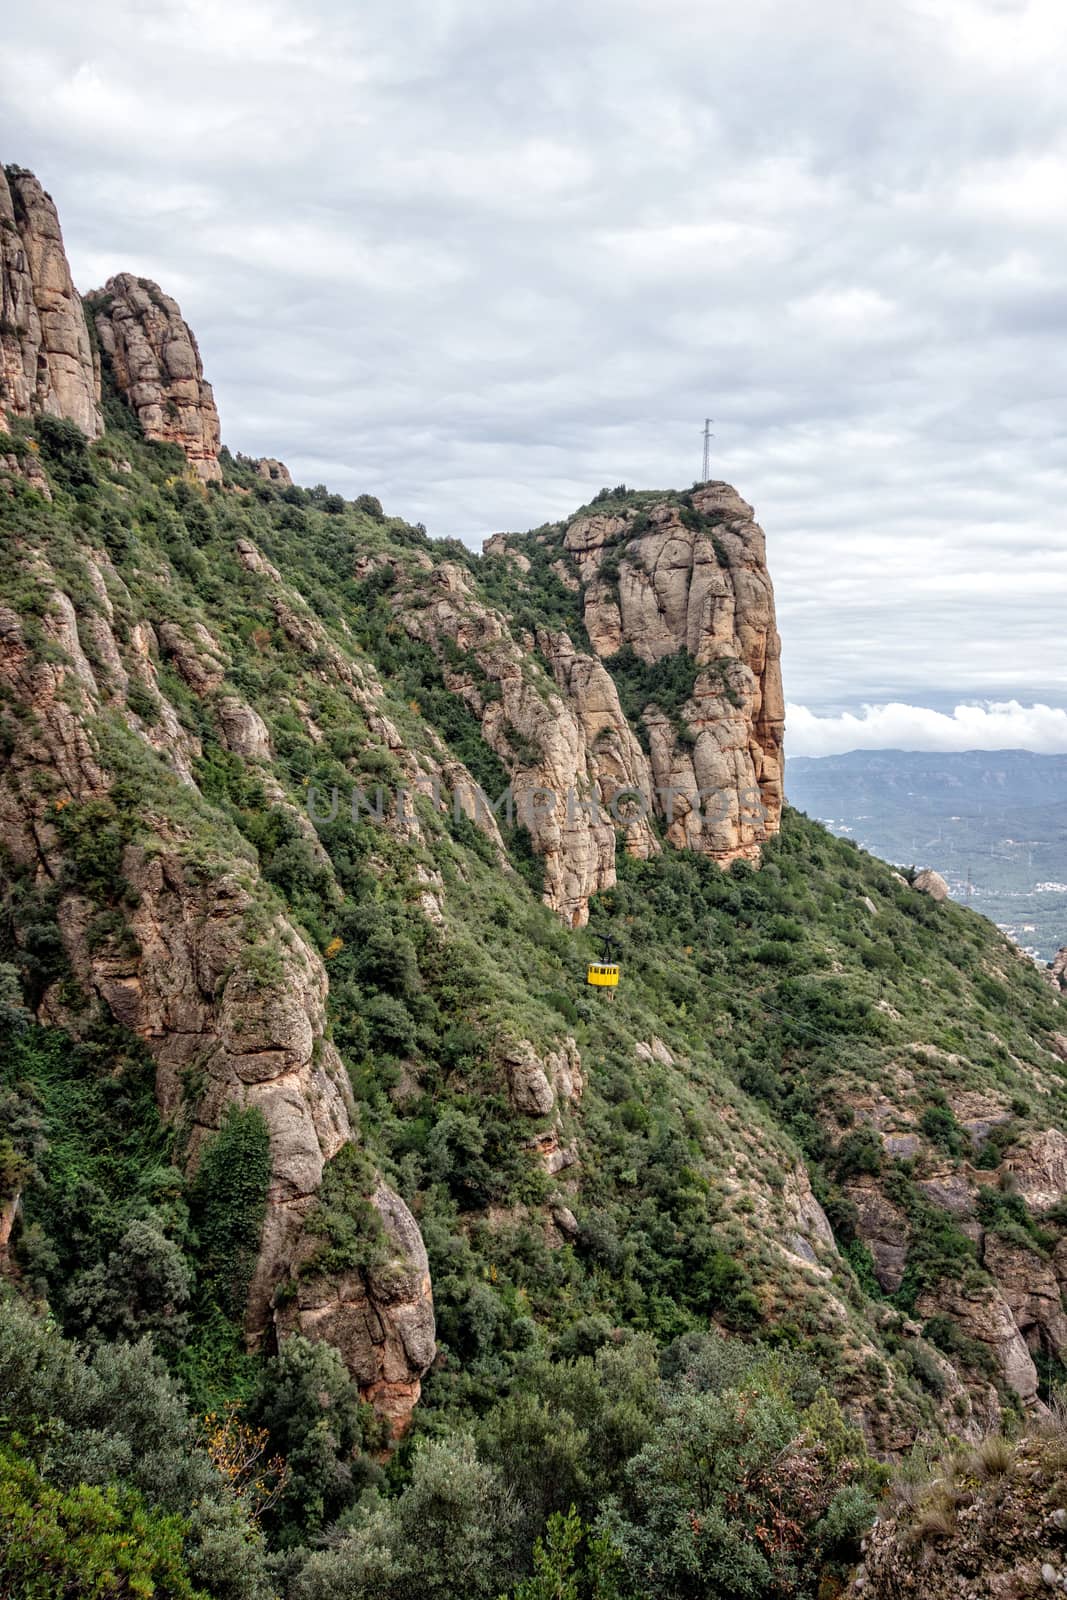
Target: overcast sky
point(481, 259)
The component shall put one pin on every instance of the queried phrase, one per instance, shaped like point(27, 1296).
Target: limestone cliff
point(156, 368)
point(569, 757)
point(693, 577)
point(228, 995)
point(46, 360)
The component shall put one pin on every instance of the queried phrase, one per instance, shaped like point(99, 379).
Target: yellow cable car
point(602, 975)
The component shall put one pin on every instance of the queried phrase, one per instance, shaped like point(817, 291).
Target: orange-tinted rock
point(46, 359)
point(156, 368)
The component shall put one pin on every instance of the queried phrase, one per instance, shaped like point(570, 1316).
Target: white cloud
point(997, 725)
point(482, 260)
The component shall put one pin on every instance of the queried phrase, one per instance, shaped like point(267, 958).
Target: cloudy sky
point(482, 259)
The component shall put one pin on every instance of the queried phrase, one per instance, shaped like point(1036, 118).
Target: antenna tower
point(708, 437)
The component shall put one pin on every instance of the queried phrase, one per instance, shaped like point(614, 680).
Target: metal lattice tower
point(708, 437)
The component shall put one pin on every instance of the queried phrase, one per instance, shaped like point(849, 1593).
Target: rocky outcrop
point(693, 577)
point(1030, 1286)
point(932, 883)
point(537, 1082)
point(883, 1228)
point(46, 359)
point(1038, 1168)
point(989, 1523)
point(379, 1317)
point(24, 466)
point(984, 1315)
point(687, 576)
point(1057, 970)
point(156, 368)
point(272, 471)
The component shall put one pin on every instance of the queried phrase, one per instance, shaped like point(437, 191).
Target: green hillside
point(658, 1370)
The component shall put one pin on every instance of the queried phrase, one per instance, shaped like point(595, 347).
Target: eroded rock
point(156, 367)
point(46, 360)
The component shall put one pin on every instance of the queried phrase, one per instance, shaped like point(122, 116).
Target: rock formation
point(241, 1015)
point(690, 579)
point(380, 1318)
point(46, 359)
point(156, 368)
point(932, 883)
point(1057, 972)
point(272, 471)
point(694, 578)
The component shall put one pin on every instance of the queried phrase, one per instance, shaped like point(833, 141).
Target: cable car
point(604, 974)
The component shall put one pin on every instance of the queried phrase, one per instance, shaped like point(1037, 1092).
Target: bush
point(86, 1543)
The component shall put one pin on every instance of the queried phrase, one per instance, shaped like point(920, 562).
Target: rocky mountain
point(311, 825)
point(46, 359)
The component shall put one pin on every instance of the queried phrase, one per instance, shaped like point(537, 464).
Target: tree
point(451, 1533)
point(85, 1543)
point(315, 1420)
point(143, 1287)
point(739, 1496)
point(571, 1563)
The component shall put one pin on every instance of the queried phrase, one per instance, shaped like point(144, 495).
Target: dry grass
point(992, 1458)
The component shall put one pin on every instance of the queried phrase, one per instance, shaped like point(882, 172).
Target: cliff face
point(670, 578)
point(204, 683)
point(662, 581)
point(46, 361)
point(185, 974)
point(156, 367)
point(692, 576)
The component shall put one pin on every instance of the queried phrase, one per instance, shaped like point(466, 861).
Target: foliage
point(308, 1412)
point(227, 1202)
point(85, 1543)
point(117, 1420)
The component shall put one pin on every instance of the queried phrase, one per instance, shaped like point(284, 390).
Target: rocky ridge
point(229, 989)
point(156, 367)
point(46, 358)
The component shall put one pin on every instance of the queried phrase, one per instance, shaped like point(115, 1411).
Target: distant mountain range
point(994, 823)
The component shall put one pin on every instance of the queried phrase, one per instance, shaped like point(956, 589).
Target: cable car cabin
point(602, 975)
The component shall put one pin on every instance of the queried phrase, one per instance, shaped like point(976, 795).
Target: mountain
point(483, 1279)
point(991, 822)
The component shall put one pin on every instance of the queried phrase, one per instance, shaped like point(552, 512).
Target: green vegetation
point(634, 1401)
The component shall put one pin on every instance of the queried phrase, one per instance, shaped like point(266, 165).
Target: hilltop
point(313, 1093)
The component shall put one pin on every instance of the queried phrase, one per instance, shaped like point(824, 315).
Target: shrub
point(86, 1543)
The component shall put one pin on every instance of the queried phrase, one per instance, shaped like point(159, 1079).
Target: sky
point(482, 260)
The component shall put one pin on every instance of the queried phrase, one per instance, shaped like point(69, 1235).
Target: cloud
point(1004, 725)
point(483, 260)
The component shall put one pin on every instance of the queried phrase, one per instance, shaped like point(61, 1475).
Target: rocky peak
point(46, 359)
point(156, 368)
point(688, 575)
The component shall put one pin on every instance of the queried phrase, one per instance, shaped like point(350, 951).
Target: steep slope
point(309, 1021)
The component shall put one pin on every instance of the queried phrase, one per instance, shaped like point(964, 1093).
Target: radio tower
point(708, 437)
